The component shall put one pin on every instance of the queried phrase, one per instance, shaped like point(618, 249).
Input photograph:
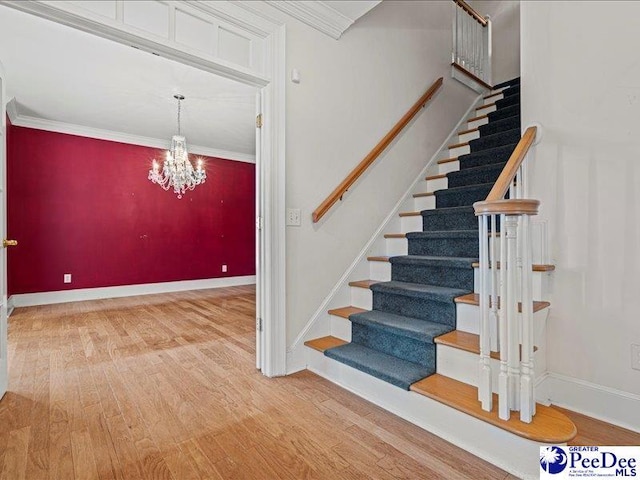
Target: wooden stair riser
point(361, 297)
point(411, 224)
point(424, 203)
point(437, 184)
point(340, 327)
point(493, 99)
point(466, 137)
point(380, 271)
point(486, 109)
point(539, 284)
point(457, 151)
point(448, 167)
point(396, 246)
point(463, 366)
point(477, 123)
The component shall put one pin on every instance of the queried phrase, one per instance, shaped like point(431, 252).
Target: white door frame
point(271, 172)
point(4, 352)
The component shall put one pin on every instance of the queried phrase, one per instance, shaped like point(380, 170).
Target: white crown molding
point(82, 294)
point(317, 15)
point(12, 110)
point(110, 135)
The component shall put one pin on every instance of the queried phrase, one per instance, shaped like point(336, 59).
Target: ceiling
point(60, 74)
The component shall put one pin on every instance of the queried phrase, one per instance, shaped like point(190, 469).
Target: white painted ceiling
point(65, 75)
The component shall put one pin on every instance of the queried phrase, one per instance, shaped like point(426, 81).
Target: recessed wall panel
point(194, 32)
point(150, 16)
point(106, 8)
point(234, 47)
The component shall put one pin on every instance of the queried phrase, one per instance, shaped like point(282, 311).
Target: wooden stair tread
point(469, 342)
point(458, 145)
point(536, 267)
point(425, 194)
point(324, 343)
point(486, 106)
point(344, 312)
point(548, 425)
point(409, 214)
point(395, 235)
point(363, 283)
point(378, 259)
point(470, 130)
point(449, 160)
point(436, 177)
point(474, 299)
point(479, 117)
point(492, 95)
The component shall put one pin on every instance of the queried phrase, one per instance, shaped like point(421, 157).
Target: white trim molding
point(319, 15)
point(597, 401)
point(82, 294)
point(19, 120)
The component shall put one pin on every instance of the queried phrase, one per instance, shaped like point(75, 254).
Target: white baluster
point(504, 412)
point(484, 381)
point(527, 401)
point(511, 308)
point(493, 282)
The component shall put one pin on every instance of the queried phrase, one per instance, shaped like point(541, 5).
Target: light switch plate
point(293, 217)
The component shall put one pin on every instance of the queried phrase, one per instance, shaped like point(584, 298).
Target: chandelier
point(177, 171)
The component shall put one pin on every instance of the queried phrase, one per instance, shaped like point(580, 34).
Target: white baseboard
point(81, 294)
point(597, 401)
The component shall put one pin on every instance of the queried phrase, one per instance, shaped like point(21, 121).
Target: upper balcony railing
point(471, 43)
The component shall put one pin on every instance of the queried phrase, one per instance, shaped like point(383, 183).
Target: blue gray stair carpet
point(394, 341)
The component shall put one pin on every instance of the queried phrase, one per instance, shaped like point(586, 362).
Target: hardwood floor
point(165, 387)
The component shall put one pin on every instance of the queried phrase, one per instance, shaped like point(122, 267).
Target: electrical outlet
point(224, 268)
point(635, 357)
point(293, 217)
point(67, 278)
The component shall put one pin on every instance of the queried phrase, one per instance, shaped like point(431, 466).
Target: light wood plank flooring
point(164, 387)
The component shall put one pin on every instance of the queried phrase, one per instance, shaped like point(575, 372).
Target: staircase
point(414, 322)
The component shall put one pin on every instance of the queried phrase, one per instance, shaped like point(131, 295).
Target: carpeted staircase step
point(504, 113)
point(495, 140)
point(548, 426)
point(407, 338)
point(507, 101)
point(452, 272)
point(477, 175)
point(396, 371)
point(514, 90)
point(455, 218)
point(414, 328)
point(461, 196)
point(508, 83)
point(456, 243)
point(324, 343)
point(486, 157)
point(426, 302)
point(508, 123)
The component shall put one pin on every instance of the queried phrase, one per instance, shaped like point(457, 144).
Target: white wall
point(351, 93)
point(581, 81)
point(505, 19)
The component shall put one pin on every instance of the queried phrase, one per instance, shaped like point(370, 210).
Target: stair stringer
point(517, 455)
point(319, 324)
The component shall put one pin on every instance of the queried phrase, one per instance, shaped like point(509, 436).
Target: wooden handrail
point(340, 190)
point(469, 74)
point(471, 11)
point(510, 170)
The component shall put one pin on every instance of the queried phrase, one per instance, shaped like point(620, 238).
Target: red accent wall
point(84, 206)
